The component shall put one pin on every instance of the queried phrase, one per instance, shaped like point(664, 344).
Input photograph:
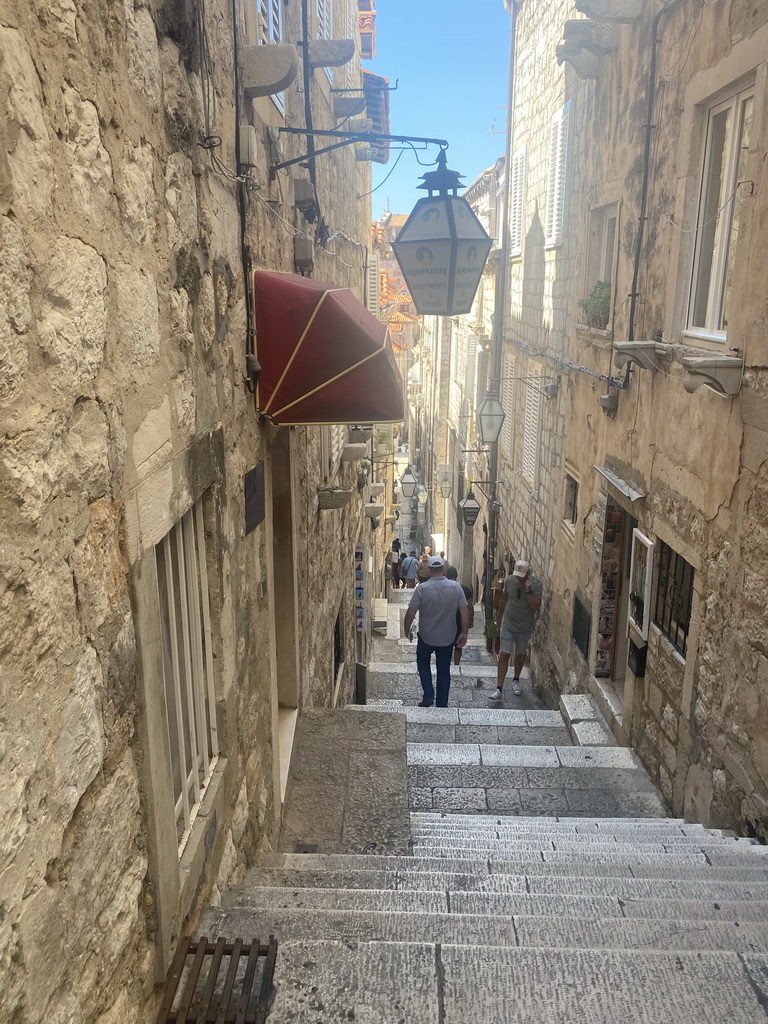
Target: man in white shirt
point(437, 600)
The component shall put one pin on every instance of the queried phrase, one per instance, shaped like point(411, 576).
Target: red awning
point(324, 358)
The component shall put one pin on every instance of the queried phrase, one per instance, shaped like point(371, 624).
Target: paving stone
point(593, 734)
point(545, 757)
point(324, 879)
point(444, 776)
point(540, 736)
point(579, 707)
point(422, 732)
point(595, 987)
point(590, 778)
point(547, 719)
point(513, 904)
point(575, 933)
point(543, 801)
point(432, 716)
point(402, 901)
point(420, 799)
point(590, 801)
point(443, 753)
point(458, 799)
point(648, 888)
point(477, 734)
point(493, 776)
point(687, 910)
point(488, 716)
point(598, 757)
point(506, 800)
point(464, 882)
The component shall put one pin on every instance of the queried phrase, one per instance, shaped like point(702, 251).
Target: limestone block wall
point(122, 402)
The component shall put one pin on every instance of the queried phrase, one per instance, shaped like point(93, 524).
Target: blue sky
point(451, 57)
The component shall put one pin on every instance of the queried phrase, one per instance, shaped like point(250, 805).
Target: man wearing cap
point(437, 600)
point(516, 616)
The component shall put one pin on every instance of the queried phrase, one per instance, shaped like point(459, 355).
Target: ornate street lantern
point(490, 417)
point(470, 509)
point(408, 483)
point(442, 247)
point(422, 495)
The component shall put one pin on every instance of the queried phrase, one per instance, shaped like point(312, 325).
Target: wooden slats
point(199, 993)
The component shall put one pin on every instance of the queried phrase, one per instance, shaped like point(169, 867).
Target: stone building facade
point(177, 574)
point(633, 464)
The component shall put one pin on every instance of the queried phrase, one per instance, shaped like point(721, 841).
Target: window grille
point(556, 178)
point(719, 215)
point(190, 700)
point(674, 597)
point(531, 435)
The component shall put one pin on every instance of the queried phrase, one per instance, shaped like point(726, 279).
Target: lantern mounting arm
point(347, 139)
point(481, 484)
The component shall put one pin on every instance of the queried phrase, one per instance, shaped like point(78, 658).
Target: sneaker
point(425, 704)
point(496, 695)
point(516, 687)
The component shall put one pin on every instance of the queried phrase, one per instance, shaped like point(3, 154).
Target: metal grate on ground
point(226, 982)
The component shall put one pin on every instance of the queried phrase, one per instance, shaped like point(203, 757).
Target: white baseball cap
point(521, 569)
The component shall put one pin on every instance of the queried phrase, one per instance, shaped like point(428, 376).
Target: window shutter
point(531, 437)
point(507, 402)
point(516, 203)
point(373, 284)
point(270, 23)
point(556, 178)
point(324, 12)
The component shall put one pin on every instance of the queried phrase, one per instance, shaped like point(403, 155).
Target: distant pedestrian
point(422, 572)
point(408, 568)
point(437, 600)
point(396, 544)
point(452, 573)
point(519, 605)
point(395, 567)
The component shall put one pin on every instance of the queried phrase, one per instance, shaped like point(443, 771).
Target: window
point(185, 623)
point(674, 596)
point(517, 203)
point(558, 160)
point(270, 21)
point(332, 440)
point(719, 214)
point(345, 75)
point(531, 435)
point(600, 262)
point(324, 25)
point(571, 502)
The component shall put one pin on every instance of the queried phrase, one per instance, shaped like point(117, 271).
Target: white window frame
point(532, 413)
point(720, 239)
point(554, 219)
point(517, 203)
point(269, 29)
point(570, 501)
point(185, 619)
point(602, 251)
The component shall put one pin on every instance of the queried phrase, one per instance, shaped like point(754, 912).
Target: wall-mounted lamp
point(422, 495)
point(490, 418)
point(408, 483)
point(470, 509)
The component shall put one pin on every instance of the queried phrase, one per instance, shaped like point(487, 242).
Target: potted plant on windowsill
point(597, 306)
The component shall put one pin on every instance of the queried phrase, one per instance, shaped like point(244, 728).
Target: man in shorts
point(516, 617)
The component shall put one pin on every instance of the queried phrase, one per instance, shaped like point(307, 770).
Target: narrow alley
point(485, 863)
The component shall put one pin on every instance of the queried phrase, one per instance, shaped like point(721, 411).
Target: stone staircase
point(544, 882)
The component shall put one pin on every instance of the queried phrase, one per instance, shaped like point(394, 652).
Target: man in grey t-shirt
point(437, 600)
point(516, 616)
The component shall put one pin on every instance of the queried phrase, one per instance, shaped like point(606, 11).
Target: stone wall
point(122, 344)
point(698, 460)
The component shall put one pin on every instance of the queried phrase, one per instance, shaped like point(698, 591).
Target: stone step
point(510, 861)
point(465, 825)
point(585, 722)
point(511, 849)
point(291, 924)
point(525, 735)
point(684, 882)
point(508, 718)
point(470, 820)
point(335, 981)
point(503, 904)
point(522, 756)
point(502, 832)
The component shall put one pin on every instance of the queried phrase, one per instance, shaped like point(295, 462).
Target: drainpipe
point(649, 126)
point(497, 332)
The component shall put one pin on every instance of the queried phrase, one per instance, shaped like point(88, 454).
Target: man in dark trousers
point(437, 600)
point(452, 573)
